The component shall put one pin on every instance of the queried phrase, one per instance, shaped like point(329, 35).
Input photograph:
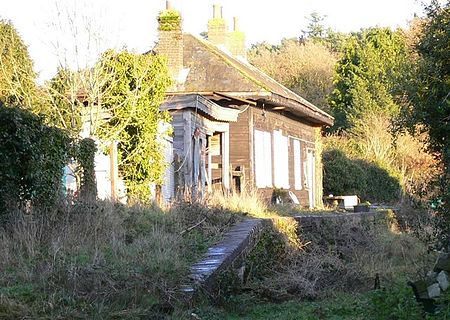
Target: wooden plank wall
point(240, 145)
point(267, 120)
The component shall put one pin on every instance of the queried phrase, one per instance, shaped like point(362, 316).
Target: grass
point(330, 271)
point(397, 304)
point(393, 303)
point(102, 260)
point(108, 261)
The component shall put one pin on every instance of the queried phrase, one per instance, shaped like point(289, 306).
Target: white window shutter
point(277, 159)
point(281, 160)
point(285, 162)
point(268, 159)
point(298, 168)
point(263, 159)
point(259, 156)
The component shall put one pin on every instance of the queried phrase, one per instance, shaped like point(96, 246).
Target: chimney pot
point(168, 5)
point(235, 24)
point(217, 11)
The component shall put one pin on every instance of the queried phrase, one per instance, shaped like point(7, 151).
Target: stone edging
point(237, 242)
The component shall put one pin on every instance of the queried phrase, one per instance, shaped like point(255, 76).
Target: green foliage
point(17, 87)
point(315, 29)
point(430, 93)
point(270, 250)
point(33, 158)
point(169, 20)
point(395, 303)
point(346, 176)
point(85, 155)
point(370, 75)
point(132, 93)
point(63, 96)
point(318, 33)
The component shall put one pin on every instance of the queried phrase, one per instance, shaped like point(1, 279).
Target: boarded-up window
point(263, 159)
point(281, 160)
point(214, 144)
point(298, 167)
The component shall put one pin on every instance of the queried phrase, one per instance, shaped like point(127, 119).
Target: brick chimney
point(217, 27)
point(236, 40)
point(170, 42)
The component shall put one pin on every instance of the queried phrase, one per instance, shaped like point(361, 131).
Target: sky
point(73, 32)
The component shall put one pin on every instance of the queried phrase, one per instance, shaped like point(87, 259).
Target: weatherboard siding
point(268, 120)
point(239, 143)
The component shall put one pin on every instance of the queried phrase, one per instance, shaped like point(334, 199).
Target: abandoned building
point(235, 127)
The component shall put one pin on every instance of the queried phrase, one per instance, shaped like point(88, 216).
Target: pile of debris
point(435, 283)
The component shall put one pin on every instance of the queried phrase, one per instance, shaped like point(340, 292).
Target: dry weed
point(102, 258)
point(343, 256)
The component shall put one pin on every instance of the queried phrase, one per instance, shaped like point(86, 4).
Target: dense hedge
point(33, 156)
point(345, 176)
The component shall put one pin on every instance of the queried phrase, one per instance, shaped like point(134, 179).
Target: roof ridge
point(236, 62)
point(227, 55)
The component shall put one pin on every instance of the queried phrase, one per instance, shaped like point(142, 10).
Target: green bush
point(33, 158)
point(85, 154)
point(345, 176)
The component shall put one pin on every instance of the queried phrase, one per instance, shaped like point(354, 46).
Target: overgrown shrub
point(346, 176)
point(85, 155)
point(342, 256)
point(32, 161)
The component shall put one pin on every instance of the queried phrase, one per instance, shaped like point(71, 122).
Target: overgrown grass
point(250, 203)
point(108, 261)
point(101, 260)
point(394, 303)
point(339, 269)
point(247, 202)
point(390, 303)
point(343, 256)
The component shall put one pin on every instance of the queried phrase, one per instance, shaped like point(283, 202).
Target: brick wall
point(171, 46)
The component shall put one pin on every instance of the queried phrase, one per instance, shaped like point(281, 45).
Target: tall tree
point(373, 66)
point(17, 86)
point(430, 109)
point(306, 68)
point(315, 28)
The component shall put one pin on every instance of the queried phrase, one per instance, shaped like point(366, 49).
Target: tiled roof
point(209, 68)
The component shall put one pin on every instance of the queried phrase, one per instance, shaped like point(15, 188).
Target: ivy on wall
point(134, 89)
point(33, 158)
point(85, 155)
point(169, 20)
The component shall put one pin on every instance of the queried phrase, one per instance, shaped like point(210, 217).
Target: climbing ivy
point(134, 88)
point(32, 161)
point(85, 154)
point(169, 20)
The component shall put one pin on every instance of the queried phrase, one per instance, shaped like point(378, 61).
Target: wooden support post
point(226, 160)
point(209, 165)
point(187, 146)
